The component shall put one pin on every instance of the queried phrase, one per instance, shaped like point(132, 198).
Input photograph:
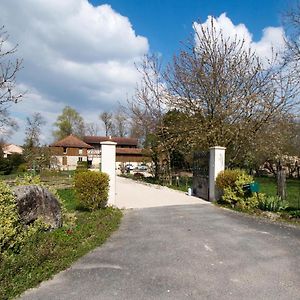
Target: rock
point(35, 202)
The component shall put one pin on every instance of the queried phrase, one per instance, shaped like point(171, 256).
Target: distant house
point(127, 150)
point(9, 149)
point(68, 151)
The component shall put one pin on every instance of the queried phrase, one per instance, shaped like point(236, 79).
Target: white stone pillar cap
point(218, 147)
point(108, 143)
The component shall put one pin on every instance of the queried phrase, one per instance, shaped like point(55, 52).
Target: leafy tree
point(32, 147)
point(69, 122)
point(9, 68)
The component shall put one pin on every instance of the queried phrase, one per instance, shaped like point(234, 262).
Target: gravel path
point(133, 194)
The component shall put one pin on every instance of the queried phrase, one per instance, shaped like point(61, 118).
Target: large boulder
point(35, 202)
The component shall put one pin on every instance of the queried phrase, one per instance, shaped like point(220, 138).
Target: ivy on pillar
point(108, 166)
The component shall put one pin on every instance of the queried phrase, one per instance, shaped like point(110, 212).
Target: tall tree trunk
point(281, 182)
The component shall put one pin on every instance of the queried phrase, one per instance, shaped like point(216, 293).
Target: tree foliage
point(230, 97)
point(69, 122)
point(216, 91)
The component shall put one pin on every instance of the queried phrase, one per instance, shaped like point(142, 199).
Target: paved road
point(195, 251)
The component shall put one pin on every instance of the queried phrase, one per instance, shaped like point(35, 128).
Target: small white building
point(9, 149)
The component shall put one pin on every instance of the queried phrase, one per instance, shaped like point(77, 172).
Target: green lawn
point(268, 186)
point(50, 252)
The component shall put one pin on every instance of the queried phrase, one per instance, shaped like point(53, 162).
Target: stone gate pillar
point(216, 165)
point(108, 166)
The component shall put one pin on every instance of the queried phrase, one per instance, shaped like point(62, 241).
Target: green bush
point(91, 189)
point(271, 203)
point(22, 168)
point(5, 166)
point(82, 165)
point(231, 182)
point(138, 175)
point(228, 177)
point(28, 179)
point(294, 213)
point(16, 160)
point(13, 234)
point(10, 226)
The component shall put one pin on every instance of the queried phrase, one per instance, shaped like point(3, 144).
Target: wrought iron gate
point(201, 174)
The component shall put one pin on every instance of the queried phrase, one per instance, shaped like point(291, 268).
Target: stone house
point(127, 151)
point(68, 151)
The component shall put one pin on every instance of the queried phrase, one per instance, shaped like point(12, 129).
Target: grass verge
point(268, 187)
point(50, 252)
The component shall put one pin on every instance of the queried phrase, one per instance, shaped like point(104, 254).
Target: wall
point(70, 151)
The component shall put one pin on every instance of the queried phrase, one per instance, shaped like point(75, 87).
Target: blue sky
point(83, 53)
point(166, 23)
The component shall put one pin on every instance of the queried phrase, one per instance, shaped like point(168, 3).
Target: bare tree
point(120, 123)
point(215, 92)
point(92, 129)
point(107, 119)
point(9, 67)
point(225, 92)
point(291, 21)
point(148, 108)
point(33, 152)
point(33, 130)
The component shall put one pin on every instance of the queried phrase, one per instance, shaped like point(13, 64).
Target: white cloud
point(74, 54)
point(272, 40)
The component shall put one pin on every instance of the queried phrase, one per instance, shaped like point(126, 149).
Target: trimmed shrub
point(91, 189)
point(228, 177)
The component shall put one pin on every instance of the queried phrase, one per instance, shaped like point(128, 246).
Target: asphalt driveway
point(185, 252)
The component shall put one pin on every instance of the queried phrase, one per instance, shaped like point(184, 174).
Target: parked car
point(129, 167)
point(143, 167)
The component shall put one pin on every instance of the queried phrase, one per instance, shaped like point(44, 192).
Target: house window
point(79, 158)
point(65, 161)
point(65, 150)
point(80, 151)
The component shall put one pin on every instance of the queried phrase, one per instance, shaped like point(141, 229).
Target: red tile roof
point(130, 151)
point(119, 140)
point(71, 141)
